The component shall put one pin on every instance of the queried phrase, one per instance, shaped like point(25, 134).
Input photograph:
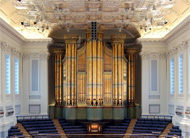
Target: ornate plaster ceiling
point(152, 18)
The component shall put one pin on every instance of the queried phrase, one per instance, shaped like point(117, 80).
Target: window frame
point(16, 79)
point(173, 76)
point(7, 78)
point(180, 70)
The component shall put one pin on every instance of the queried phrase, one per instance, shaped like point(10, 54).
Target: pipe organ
point(95, 74)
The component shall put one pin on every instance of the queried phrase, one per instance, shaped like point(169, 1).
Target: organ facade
point(94, 79)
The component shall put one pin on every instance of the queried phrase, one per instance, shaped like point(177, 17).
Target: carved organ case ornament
point(93, 74)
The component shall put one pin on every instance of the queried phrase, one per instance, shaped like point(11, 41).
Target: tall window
point(154, 75)
point(172, 76)
point(34, 75)
point(7, 74)
point(181, 73)
point(16, 76)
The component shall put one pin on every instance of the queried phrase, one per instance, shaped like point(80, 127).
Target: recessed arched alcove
point(109, 102)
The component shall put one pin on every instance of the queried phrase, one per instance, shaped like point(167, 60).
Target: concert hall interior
point(94, 68)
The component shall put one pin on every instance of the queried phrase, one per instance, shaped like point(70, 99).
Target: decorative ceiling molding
point(183, 26)
point(11, 31)
point(148, 16)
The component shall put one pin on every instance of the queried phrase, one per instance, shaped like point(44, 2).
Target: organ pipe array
point(131, 55)
point(58, 75)
point(71, 69)
point(117, 74)
point(94, 70)
point(95, 77)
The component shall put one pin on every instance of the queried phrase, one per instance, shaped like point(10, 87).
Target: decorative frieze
point(177, 49)
point(42, 56)
point(5, 47)
point(157, 55)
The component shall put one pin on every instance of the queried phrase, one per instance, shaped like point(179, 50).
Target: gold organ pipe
point(71, 42)
point(131, 75)
point(73, 74)
point(58, 73)
point(90, 72)
point(122, 55)
point(69, 75)
point(101, 70)
point(118, 42)
point(98, 73)
point(129, 79)
point(56, 79)
point(116, 73)
point(94, 70)
point(119, 72)
point(132, 78)
point(113, 76)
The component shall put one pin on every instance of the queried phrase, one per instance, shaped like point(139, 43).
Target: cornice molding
point(150, 40)
point(16, 36)
point(184, 25)
point(37, 42)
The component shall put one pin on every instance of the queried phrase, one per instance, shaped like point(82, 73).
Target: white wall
point(35, 102)
point(25, 50)
point(162, 102)
point(179, 43)
point(9, 44)
point(153, 96)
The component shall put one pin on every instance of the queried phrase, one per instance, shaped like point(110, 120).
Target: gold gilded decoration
point(71, 69)
point(131, 56)
point(94, 75)
point(94, 61)
point(58, 75)
point(118, 57)
point(118, 38)
point(70, 38)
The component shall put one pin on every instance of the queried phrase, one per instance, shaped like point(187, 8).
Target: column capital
point(70, 38)
point(57, 50)
point(118, 38)
point(132, 51)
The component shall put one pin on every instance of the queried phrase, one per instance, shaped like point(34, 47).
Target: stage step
point(23, 130)
point(166, 130)
point(130, 128)
point(59, 128)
